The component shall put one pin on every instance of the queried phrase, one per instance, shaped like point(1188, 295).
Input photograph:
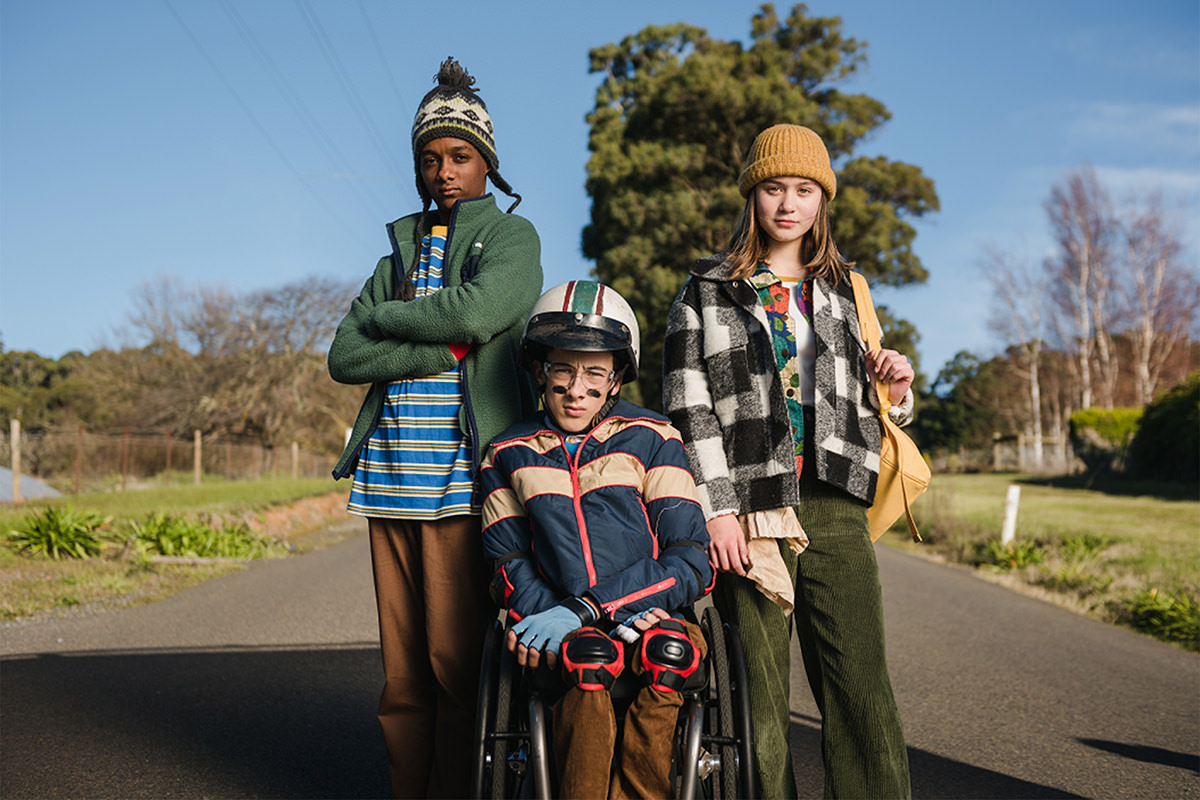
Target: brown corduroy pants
point(431, 591)
point(585, 738)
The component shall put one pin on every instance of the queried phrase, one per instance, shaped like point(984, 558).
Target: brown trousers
point(431, 590)
point(585, 738)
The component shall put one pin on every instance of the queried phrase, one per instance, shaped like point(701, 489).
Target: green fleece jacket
point(493, 276)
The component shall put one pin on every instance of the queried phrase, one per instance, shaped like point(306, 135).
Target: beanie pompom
point(453, 75)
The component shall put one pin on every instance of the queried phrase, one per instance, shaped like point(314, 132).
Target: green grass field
point(1126, 558)
point(213, 496)
point(1104, 553)
point(31, 586)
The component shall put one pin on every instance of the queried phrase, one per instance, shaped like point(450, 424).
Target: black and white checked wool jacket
point(721, 389)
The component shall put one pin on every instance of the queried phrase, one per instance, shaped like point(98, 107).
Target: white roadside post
point(1011, 501)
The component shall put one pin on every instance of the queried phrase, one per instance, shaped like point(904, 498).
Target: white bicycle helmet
point(582, 315)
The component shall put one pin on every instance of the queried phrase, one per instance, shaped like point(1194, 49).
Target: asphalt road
point(264, 684)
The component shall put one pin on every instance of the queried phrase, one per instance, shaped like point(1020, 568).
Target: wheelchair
point(713, 750)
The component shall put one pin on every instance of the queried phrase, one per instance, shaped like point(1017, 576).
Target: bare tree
point(1018, 292)
point(1082, 225)
point(1105, 318)
point(1116, 293)
point(156, 310)
point(1160, 293)
point(248, 365)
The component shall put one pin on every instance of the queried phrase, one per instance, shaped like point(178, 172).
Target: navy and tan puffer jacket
point(619, 521)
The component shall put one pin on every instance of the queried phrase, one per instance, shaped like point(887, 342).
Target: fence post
point(196, 457)
point(168, 456)
point(1011, 501)
point(125, 458)
point(15, 428)
point(295, 460)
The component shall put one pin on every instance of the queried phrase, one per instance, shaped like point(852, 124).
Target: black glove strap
point(582, 609)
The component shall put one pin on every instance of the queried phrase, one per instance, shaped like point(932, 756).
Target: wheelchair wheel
point(501, 745)
point(719, 713)
point(741, 707)
point(485, 705)
point(495, 715)
point(725, 768)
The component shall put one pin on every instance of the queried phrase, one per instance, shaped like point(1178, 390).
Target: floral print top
point(776, 300)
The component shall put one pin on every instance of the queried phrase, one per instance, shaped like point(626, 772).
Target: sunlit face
point(452, 169)
point(786, 207)
point(576, 384)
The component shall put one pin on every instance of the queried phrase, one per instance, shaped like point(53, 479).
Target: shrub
point(1017, 554)
point(1167, 442)
point(1076, 567)
point(59, 532)
point(1083, 547)
point(1166, 616)
point(1101, 436)
point(163, 534)
point(1076, 579)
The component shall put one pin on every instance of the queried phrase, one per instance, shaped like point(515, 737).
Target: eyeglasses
point(560, 374)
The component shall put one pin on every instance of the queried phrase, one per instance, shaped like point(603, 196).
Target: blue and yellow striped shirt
point(417, 463)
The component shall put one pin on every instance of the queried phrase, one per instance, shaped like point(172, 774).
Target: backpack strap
point(868, 326)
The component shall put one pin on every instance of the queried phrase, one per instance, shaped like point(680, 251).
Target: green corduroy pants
point(839, 621)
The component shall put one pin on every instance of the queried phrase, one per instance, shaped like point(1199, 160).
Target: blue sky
point(252, 143)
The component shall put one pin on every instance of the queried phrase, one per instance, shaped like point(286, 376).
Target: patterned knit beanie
point(454, 109)
point(788, 150)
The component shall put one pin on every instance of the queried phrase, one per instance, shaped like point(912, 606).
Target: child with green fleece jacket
point(436, 333)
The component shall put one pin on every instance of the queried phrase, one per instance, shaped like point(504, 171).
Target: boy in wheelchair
point(592, 521)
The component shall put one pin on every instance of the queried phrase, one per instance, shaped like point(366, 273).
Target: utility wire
point(373, 205)
point(254, 120)
point(387, 70)
point(327, 50)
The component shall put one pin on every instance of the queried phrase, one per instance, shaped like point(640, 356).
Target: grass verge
point(296, 513)
point(1122, 557)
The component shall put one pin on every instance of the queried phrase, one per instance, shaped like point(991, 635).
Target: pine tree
point(673, 120)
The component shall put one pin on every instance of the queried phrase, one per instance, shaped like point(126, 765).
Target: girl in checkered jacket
point(769, 382)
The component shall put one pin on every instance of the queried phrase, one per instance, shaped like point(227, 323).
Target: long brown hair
point(747, 247)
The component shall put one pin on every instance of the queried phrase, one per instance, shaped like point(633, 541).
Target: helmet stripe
point(582, 297)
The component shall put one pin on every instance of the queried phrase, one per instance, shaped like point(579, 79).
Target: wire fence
point(1010, 454)
point(80, 461)
point(73, 461)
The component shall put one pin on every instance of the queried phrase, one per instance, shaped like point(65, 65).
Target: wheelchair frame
point(712, 736)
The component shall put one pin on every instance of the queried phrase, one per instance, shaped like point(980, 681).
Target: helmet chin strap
point(604, 409)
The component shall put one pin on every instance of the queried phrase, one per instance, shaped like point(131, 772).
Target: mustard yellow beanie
point(788, 150)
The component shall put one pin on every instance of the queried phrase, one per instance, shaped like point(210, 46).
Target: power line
point(330, 54)
point(387, 70)
point(254, 120)
point(372, 205)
